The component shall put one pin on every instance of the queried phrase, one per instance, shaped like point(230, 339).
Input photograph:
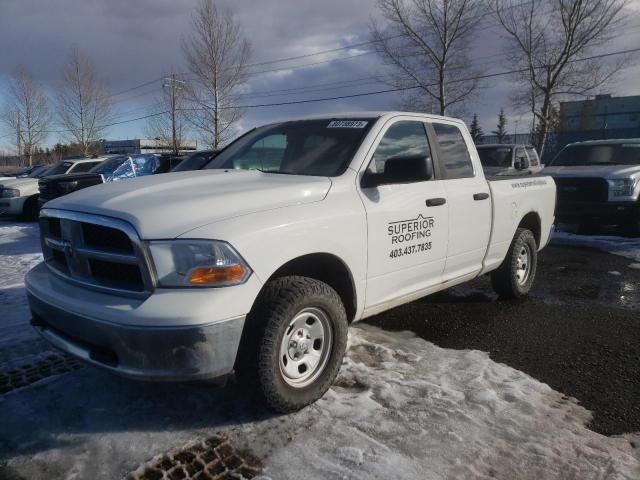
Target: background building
point(603, 112)
point(140, 145)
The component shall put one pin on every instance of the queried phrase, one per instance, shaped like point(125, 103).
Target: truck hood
point(169, 205)
point(27, 184)
point(602, 171)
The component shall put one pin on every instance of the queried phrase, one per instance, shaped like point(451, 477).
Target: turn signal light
point(213, 275)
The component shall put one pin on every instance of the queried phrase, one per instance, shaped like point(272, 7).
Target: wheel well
point(328, 269)
point(531, 221)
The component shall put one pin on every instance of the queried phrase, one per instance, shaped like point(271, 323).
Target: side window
point(533, 157)
point(405, 143)
point(265, 154)
point(520, 157)
point(84, 167)
point(454, 153)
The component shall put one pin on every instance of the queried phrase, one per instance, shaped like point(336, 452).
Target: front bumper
point(162, 337)
point(595, 213)
point(11, 206)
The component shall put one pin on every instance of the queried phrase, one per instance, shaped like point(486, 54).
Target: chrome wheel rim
point(523, 265)
point(306, 347)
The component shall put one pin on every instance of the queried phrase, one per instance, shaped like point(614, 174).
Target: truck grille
point(582, 189)
point(97, 252)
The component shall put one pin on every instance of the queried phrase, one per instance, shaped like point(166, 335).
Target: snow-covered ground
point(623, 246)
point(19, 251)
point(401, 408)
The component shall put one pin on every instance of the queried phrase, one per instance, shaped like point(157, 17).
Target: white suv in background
point(19, 197)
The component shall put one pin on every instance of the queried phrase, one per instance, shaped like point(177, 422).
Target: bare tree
point(217, 54)
point(27, 112)
point(171, 126)
point(426, 44)
point(546, 40)
point(83, 102)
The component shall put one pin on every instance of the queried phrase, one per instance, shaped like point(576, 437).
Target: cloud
point(132, 42)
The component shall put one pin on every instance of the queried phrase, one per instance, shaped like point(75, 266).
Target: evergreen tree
point(501, 131)
point(476, 130)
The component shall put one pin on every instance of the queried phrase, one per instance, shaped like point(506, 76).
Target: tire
point(31, 209)
point(633, 229)
point(293, 342)
point(514, 278)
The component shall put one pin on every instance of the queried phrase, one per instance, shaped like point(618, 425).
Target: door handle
point(480, 196)
point(436, 202)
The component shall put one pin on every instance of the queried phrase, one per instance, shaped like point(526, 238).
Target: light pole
point(173, 85)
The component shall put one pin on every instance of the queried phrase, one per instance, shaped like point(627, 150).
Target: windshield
point(108, 166)
point(60, 168)
point(136, 166)
point(195, 162)
point(612, 154)
point(306, 147)
point(39, 171)
point(495, 156)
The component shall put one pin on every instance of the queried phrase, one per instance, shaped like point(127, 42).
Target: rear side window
point(84, 167)
point(533, 157)
point(454, 154)
point(406, 140)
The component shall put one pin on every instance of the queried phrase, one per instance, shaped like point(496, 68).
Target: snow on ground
point(623, 246)
point(19, 251)
point(401, 408)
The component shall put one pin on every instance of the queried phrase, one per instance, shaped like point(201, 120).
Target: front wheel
point(302, 341)
point(514, 278)
point(633, 229)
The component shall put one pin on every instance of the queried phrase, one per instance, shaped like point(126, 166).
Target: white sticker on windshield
point(347, 124)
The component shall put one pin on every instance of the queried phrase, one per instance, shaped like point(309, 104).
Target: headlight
point(68, 187)
point(10, 192)
point(622, 187)
point(197, 263)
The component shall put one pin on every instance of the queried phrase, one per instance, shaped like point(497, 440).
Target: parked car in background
point(599, 184)
point(509, 159)
point(196, 160)
point(19, 196)
point(111, 170)
point(260, 261)
point(20, 173)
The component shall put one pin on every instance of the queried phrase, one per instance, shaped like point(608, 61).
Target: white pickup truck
point(260, 262)
point(19, 196)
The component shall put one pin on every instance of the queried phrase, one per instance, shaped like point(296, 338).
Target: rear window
point(454, 154)
point(495, 156)
point(585, 155)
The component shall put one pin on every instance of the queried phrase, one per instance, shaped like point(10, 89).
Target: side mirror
point(400, 170)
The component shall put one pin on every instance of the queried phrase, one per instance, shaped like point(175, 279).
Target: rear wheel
point(300, 328)
point(514, 278)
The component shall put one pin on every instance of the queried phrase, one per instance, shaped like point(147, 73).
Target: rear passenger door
point(469, 201)
point(407, 215)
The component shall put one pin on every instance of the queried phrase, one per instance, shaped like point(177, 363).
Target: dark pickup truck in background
point(113, 169)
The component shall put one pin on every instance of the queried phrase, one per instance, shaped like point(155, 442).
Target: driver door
point(407, 216)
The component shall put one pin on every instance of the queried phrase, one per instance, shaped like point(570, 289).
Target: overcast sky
point(136, 41)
